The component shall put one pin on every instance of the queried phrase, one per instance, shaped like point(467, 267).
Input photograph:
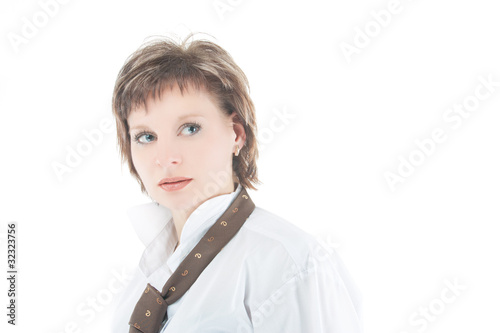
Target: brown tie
point(151, 309)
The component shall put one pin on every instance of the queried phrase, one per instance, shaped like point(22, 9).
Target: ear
point(239, 130)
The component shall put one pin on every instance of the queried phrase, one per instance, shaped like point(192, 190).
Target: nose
point(167, 154)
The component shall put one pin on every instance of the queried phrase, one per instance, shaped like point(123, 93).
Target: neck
point(181, 216)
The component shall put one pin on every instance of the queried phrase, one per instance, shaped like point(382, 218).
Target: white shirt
point(271, 277)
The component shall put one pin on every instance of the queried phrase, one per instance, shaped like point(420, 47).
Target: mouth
point(173, 180)
point(174, 184)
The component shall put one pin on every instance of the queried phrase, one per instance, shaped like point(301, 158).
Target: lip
point(174, 184)
point(172, 180)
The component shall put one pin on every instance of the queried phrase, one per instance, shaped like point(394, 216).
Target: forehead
point(174, 102)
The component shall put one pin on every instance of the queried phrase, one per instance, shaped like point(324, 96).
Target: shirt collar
point(155, 228)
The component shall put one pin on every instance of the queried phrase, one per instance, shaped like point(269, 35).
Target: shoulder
point(274, 237)
point(279, 258)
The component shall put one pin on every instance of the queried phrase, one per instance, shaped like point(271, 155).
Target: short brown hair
point(201, 63)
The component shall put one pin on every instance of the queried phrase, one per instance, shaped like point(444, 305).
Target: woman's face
point(184, 135)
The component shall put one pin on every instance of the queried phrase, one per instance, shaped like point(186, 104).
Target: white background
point(324, 171)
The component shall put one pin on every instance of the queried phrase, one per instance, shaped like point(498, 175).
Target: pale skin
point(171, 144)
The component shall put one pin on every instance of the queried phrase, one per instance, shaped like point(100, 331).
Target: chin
point(176, 200)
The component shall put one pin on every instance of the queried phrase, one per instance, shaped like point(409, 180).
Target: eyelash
point(140, 134)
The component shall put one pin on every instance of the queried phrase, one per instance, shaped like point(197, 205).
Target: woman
point(186, 127)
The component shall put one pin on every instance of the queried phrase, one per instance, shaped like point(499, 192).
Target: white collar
point(155, 228)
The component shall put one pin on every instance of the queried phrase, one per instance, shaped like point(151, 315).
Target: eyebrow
point(180, 118)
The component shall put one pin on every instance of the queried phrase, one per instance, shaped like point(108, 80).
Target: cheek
point(212, 152)
point(140, 161)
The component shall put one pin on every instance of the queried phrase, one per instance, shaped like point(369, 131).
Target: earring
point(237, 150)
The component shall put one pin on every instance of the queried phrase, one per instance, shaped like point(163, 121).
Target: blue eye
point(143, 137)
point(192, 126)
